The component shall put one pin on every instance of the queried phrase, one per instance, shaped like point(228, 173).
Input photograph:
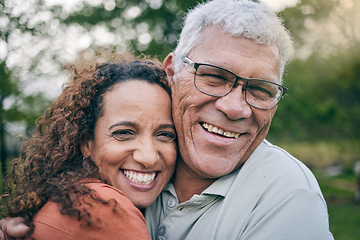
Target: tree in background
point(151, 26)
point(323, 102)
point(18, 26)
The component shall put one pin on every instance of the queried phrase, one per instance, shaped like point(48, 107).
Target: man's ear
point(169, 67)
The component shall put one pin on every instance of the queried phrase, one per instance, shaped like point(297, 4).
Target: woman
point(111, 125)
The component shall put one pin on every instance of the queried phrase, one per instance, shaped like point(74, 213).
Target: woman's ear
point(86, 149)
point(169, 67)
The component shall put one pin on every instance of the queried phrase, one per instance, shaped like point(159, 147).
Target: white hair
point(239, 18)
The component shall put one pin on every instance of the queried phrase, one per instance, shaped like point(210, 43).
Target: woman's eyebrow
point(167, 126)
point(123, 123)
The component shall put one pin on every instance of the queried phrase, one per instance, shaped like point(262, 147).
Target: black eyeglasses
point(218, 82)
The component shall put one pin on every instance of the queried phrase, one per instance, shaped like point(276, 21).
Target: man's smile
point(220, 131)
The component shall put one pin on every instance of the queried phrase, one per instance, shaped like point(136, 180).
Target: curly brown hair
point(51, 163)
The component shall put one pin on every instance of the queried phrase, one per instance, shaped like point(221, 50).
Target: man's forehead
point(241, 55)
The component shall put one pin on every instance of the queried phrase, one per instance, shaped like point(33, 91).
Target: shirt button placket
point(171, 203)
point(161, 232)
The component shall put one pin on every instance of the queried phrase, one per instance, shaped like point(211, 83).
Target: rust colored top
point(127, 222)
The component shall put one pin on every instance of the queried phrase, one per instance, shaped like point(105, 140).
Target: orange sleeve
point(126, 223)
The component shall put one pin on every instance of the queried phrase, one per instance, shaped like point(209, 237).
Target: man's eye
point(166, 136)
point(260, 92)
point(213, 76)
point(259, 89)
point(213, 79)
point(123, 135)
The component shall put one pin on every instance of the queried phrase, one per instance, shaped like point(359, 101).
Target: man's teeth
point(220, 131)
point(140, 178)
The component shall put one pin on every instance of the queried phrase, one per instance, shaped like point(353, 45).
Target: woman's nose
point(146, 154)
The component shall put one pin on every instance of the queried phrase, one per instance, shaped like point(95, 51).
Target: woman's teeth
point(140, 178)
point(220, 131)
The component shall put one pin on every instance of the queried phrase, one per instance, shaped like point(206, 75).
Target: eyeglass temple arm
point(188, 61)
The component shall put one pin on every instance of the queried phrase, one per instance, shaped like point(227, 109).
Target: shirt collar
point(220, 187)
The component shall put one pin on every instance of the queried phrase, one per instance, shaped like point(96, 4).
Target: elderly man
point(230, 183)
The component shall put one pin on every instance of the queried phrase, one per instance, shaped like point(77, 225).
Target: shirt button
point(171, 203)
point(161, 231)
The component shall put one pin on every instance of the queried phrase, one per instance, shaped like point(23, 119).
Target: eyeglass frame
point(246, 80)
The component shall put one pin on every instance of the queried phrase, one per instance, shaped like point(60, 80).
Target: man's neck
point(187, 183)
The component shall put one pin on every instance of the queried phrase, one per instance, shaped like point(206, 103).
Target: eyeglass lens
point(218, 82)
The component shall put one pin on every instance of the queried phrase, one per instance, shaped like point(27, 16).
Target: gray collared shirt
point(273, 196)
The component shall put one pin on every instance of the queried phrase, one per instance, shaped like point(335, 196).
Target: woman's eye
point(123, 135)
point(166, 136)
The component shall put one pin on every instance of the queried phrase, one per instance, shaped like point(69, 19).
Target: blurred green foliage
point(323, 101)
point(15, 105)
point(161, 19)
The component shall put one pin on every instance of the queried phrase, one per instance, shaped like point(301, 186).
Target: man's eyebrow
point(123, 123)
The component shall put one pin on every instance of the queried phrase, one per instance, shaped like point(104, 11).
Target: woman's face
point(134, 142)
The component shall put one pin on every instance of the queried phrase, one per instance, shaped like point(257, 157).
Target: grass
point(344, 221)
point(344, 214)
point(322, 154)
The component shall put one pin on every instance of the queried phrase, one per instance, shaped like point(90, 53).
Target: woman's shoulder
point(106, 191)
point(116, 218)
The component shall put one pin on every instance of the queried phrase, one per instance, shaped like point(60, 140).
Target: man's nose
point(234, 105)
point(146, 153)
